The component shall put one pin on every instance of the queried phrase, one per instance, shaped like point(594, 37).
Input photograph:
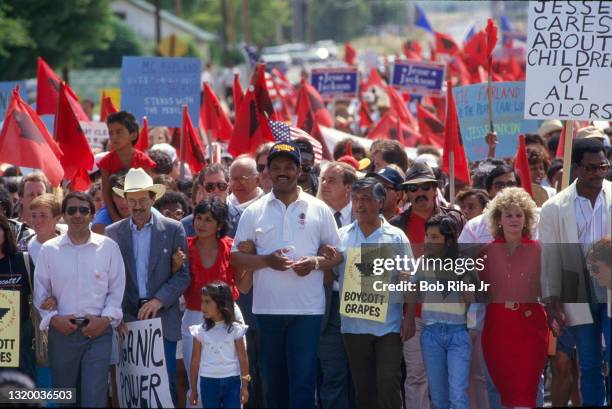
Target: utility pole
point(157, 26)
point(245, 22)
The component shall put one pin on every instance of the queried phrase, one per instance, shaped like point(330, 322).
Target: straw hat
point(137, 180)
point(548, 126)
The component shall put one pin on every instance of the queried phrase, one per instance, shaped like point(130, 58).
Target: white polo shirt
point(303, 227)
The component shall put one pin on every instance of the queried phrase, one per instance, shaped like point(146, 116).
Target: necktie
point(338, 217)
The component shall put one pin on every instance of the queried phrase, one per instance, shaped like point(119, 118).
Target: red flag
point(430, 128)
point(251, 127)
point(143, 139)
point(521, 165)
point(399, 107)
point(453, 142)
point(412, 50)
point(491, 30)
point(237, 93)
point(47, 89)
point(193, 149)
point(349, 54)
point(77, 159)
point(212, 117)
point(25, 141)
point(262, 97)
point(365, 119)
point(107, 108)
point(374, 79)
point(475, 49)
point(309, 100)
point(561, 145)
point(445, 44)
point(387, 128)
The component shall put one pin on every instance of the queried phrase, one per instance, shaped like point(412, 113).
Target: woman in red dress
point(515, 333)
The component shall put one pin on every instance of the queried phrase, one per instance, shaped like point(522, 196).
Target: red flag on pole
point(192, 152)
point(77, 158)
point(391, 127)
point(475, 49)
point(143, 139)
point(374, 79)
point(262, 97)
point(561, 146)
point(251, 127)
point(521, 165)
point(365, 119)
point(399, 107)
point(213, 118)
point(237, 93)
point(453, 142)
point(107, 108)
point(445, 44)
point(25, 141)
point(309, 100)
point(412, 50)
point(491, 30)
point(349, 53)
point(47, 89)
point(431, 128)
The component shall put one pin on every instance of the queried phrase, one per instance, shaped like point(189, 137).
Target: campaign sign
point(158, 87)
point(142, 378)
point(335, 83)
point(508, 105)
point(6, 90)
point(419, 77)
point(9, 322)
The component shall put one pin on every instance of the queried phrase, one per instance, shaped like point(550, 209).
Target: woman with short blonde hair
point(509, 197)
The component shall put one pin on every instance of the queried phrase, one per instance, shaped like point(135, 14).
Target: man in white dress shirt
point(84, 271)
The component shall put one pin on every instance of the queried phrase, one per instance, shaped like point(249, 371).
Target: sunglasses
point(425, 187)
point(210, 187)
point(503, 185)
point(261, 167)
point(71, 210)
point(602, 167)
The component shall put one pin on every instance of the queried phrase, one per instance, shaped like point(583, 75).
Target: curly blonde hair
point(504, 200)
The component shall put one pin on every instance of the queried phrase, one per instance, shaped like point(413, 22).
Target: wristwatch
point(246, 378)
point(316, 267)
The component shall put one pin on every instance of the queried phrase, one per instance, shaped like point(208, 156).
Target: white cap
point(165, 148)
point(428, 159)
point(548, 126)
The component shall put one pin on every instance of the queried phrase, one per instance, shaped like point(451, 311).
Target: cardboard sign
point(6, 90)
point(508, 104)
point(419, 77)
point(158, 88)
point(96, 133)
point(569, 60)
point(335, 83)
point(142, 378)
point(9, 328)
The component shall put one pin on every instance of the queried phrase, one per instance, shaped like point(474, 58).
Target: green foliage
point(13, 32)
point(125, 43)
point(339, 20)
point(60, 32)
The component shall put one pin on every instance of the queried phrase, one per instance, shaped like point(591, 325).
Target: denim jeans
point(220, 392)
point(588, 344)
point(170, 356)
point(447, 352)
point(288, 359)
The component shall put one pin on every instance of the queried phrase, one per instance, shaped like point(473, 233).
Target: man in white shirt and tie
point(84, 271)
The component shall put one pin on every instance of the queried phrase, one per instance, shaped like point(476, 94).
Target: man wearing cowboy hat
point(147, 242)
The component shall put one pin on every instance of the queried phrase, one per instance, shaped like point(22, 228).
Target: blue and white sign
point(419, 77)
point(6, 90)
point(334, 83)
point(158, 88)
point(508, 105)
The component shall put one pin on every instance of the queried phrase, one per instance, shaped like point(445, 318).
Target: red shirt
point(200, 276)
point(112, 163)
point(415, 230)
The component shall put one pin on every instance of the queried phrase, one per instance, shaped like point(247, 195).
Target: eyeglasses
point(425, 187)
point(261, 167)
point(602, 167)
point(84, 210)
point(178, 213)
point(503, 185)
point(210, 187)
point(306, 168)
point(242, 179)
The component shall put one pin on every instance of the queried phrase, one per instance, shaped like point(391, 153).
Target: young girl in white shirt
point(219, 352)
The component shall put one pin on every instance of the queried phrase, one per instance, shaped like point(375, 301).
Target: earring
point(499, 226)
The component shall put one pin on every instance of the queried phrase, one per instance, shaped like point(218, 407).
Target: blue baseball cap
point(288, 149)
point(388, 175)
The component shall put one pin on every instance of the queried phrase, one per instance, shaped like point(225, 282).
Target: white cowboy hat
point(137, 180)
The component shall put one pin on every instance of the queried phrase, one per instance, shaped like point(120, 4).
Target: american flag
point(285, 133)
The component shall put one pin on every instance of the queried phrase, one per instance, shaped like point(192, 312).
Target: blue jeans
point(220, 392)
point(288, 359)
point(588, 344)
point(170, 356)
point(447, 353)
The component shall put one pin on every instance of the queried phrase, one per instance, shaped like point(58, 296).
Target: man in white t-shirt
point(287, 226)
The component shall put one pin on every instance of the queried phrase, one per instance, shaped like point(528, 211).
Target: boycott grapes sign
point(569, 60)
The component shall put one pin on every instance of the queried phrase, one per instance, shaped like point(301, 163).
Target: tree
point(125, 42)
point(340, 20)
point(61, 32)
point(13, 32)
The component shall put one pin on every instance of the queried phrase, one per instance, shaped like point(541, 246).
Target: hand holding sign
point(149, 309)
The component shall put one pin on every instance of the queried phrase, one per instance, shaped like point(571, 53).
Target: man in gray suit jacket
point(147, 242)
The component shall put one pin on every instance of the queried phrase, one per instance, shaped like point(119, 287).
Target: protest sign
point(9, 326)
point(142, 379)
point(96, 133)
point(508, 101)
point(419, 77)
point(335, 83)
point(569, 56)
point(158, 87)
point(358, 298)
point(6, 90)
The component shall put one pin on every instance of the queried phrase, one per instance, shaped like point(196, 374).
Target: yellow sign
point(359, 299)
point(172, 46)
point(113, 93)
point(9, 328)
